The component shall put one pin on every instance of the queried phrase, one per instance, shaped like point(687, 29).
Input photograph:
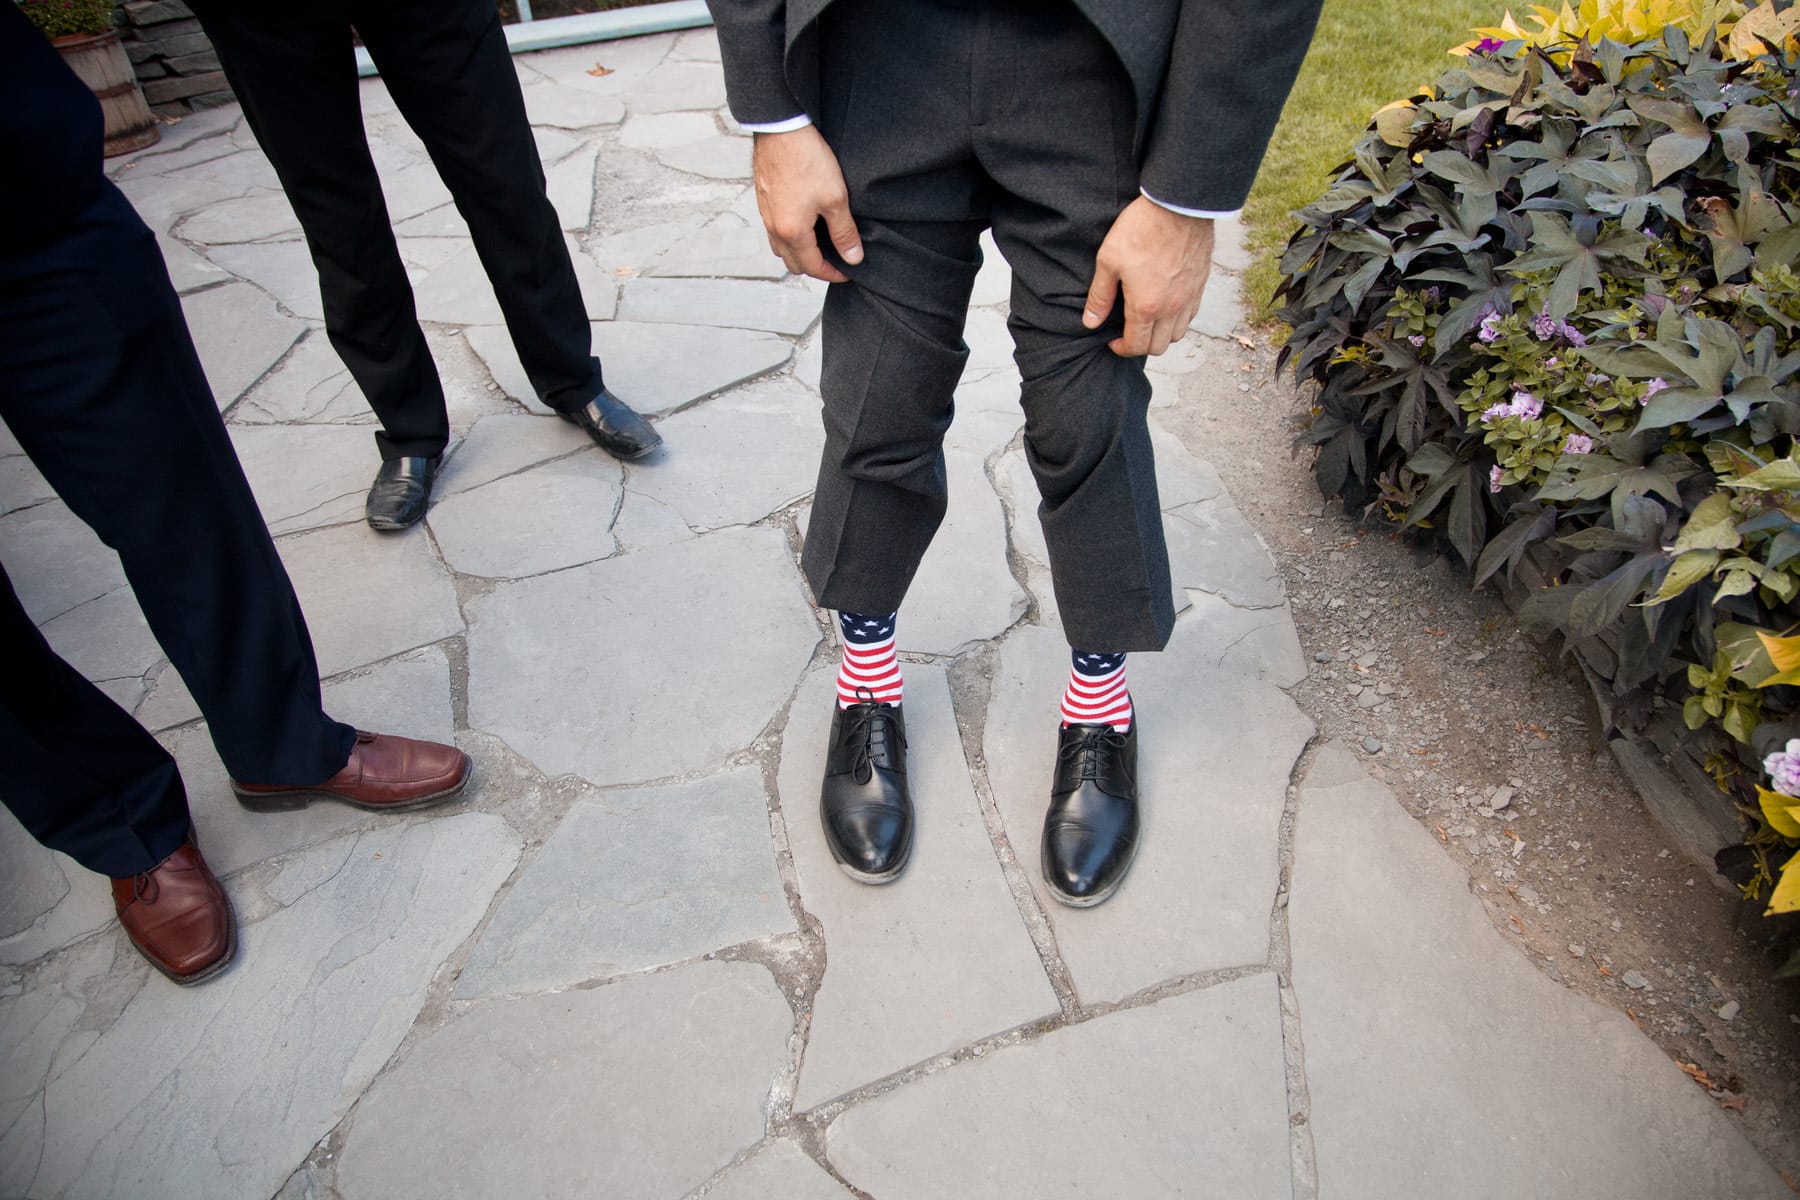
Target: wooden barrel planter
point(100, 61)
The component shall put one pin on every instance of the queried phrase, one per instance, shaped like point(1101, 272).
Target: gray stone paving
point(625, 963)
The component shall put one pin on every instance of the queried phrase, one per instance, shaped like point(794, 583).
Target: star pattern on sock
point(1096, 694)
point(869, 670)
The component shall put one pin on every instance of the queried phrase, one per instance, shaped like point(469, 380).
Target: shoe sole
point(297, 798)
point(207, 972)
point(876, 880)
point(386, 525)
point(1099, 897)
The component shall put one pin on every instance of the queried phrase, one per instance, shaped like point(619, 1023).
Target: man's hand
point(1161, 259)
point(798, 181)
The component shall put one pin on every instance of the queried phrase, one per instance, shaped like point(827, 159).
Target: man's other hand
point(1161, 259)
point(798, 182)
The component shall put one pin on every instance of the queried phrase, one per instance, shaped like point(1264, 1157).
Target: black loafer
point(400, 493)
point(612, 422)
point(1091, 830)
point(864, 805)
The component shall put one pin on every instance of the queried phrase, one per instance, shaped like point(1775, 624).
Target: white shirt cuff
point(787, 126)
point(1208, 214)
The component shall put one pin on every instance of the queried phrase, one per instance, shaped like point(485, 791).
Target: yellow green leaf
point(1784, 652)
point(1690, 568)
point(1712, 527)
point(1394, 123)
point(1780, 810)
point(1786, 897)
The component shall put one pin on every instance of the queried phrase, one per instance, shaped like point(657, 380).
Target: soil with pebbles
point(1488, 742)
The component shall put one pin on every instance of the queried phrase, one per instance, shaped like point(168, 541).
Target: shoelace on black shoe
point(1086, 751)
point(868, 721)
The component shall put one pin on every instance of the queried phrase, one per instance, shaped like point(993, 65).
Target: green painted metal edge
point(590, 27)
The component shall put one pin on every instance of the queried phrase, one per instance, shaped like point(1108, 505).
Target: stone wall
point(174, 60)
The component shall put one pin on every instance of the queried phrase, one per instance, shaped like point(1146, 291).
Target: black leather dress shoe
point(612, 422)
point(400, 493)
point(1091, 830)
point(864, 804)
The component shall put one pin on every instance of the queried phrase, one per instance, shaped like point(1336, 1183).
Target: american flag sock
point(869, 669)
point(1096, 694)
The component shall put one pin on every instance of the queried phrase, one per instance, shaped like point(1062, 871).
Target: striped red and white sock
point(1097, 694)
point(869, 671)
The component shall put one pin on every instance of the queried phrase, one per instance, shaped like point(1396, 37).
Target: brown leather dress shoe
point(177, 916)
point(386, 773)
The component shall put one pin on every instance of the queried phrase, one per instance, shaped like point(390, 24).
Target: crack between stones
point(1303, 1162)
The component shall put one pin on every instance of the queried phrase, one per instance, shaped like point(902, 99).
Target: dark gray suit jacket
point(1210, 77)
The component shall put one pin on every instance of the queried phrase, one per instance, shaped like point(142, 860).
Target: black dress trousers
point(947, 118)
point(100, 385)
point(446, 65)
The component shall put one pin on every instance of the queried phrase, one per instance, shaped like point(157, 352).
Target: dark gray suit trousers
point(949, 118)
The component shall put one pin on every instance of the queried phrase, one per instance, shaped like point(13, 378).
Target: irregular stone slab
point(643, 522)
point(311, 386)
point(56, 1014)
point(368, 595)
point(423, 255)
point(239, 334)
point(1182, 1097)
point(1395, 963)
point(570, 184)
point(167, 702)
point(268, 1057)
point(627, 61)
point(778, 1169)
point(990, 343)
point(719, 157)
point(544, 519)
point(458, 293)
point(603, 707)
point(505, 443)
point(672, 1071)
point(1260, 643)
point(735, 303)
point(654, 367)
point(252, 219)
point(409, 696)
point(106, 638)
point(306, 476)
point(678, 86)
point(282, 269)
point(1181, 478)
point(700, 45)
point(637, 879)
point(993, 283)
point(21, 484)
point(567, 108)
point(728, 246)
point(1228, 244)
point(55, 561)
point(661, 131)
point(738, 458)
point(809, 363)
point(554, 145)
point(932, 961)
point(188, 271)
point(413, 189)
point(628, 252)
point(1221, 305)
point(442, 221)
point(249, 169)
point(161, 201)
point(964, 591)
point(49, 901)
point(1212, 548)
point(1214, 753)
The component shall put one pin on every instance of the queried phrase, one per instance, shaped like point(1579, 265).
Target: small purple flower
point(1417, 339)
point(1656, 385)
point(1783, 767)
point(1490, 326)
point(1494, 486)
point(1553, 362)
point(1574, 336)
point(1578, 443)
point(1597, 380)
point(1432, 294)
point(1496, 411)
point(1544, 325)
point(1488, 45)
point(1525, 406)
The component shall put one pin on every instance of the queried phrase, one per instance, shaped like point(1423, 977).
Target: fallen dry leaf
point(1442, 836)
point(1517, 924)
point(1245, 342)
point(597, 69)
point(1602, 970)
point(1735, 1104)
point(1509, 833)
point(1695, 1072)
point(1436, 632)
point(1632, 1013)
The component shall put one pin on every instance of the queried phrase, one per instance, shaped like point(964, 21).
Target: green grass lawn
point(1365, 54)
